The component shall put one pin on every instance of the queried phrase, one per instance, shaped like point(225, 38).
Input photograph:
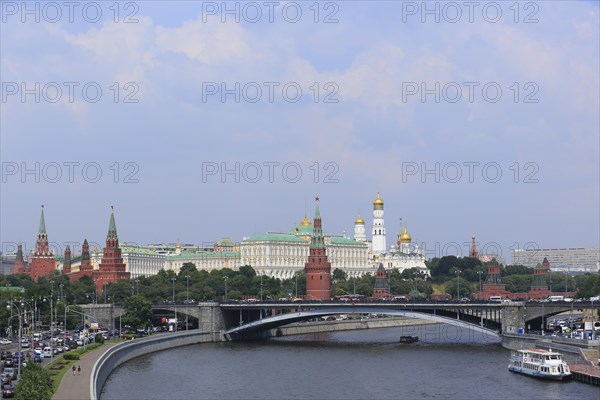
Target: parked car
point(8, 391)
point(5, 341)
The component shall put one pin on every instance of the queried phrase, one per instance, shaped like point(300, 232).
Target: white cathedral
point(402, 255)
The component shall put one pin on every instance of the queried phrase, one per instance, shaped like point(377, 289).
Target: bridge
point(245, 320)
point(250, 320)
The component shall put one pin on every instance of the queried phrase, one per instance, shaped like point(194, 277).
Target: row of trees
point(450, 272)
point(466, 273)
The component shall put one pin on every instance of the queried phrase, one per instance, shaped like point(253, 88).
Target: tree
point(339, 275)
point(138, 311)
point(589, 285)
point(187, 268)
point(517, 283)
point(516, 270)
point(34, 384)
point(452, 287)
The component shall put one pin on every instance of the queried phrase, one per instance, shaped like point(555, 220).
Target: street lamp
point(28, 304)
point(175, 304)
point(296, 284)
point(261, 287)
point(225, 279)
point(458, 283)
point(9, 306)
point(479, 273)
point(187, 299)
point(51, 326)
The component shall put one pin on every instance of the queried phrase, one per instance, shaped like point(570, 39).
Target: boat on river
point(409, 339)
point(546, 364)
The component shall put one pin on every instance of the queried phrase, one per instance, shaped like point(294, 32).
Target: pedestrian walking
point(73, 370)
point(78, 369)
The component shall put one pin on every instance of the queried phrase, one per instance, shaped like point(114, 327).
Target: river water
point(447, 363)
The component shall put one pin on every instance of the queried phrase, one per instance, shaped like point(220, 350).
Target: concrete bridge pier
point(210, 319)
point(513, 319)
point(104, 314)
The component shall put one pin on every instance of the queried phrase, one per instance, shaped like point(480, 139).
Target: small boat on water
point(409, 339)
point(539, 363)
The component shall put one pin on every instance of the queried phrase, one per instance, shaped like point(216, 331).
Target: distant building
point(571, 260)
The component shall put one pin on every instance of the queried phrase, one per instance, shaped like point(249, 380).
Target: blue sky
point(545, 124)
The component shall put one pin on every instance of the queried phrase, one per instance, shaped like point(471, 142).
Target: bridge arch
point(269, 323)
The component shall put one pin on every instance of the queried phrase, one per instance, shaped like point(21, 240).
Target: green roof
point(42, 228)
point(112, 227)
point(344, 240)
point(275, 237)
point(302, 230)
point(136, 249)
point(207, 254)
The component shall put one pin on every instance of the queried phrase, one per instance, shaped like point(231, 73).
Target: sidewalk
point(77, 387)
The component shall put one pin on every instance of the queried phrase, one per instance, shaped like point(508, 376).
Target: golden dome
point(305, 222)
point(359, 221)
point(177, 246)
point(378, 201)
point(405, 237)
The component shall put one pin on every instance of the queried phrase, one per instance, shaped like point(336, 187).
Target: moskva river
point(447, 363)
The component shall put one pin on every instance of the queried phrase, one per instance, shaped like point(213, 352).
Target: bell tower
point(379, 243)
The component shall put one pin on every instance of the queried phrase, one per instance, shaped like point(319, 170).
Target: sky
point(199, 120)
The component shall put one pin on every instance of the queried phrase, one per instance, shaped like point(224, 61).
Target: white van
point(47, 352)
point(497, 299)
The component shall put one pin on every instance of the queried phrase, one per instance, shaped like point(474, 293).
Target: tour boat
point(539, 363)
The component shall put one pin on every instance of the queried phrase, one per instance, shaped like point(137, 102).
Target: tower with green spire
point(112, 268)
point(42, 260)
point(318, 268)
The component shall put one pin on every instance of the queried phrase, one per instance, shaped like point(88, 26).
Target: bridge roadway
point(495, 318)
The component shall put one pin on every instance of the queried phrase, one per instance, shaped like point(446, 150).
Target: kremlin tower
point(473, 251)
point(318, 269)
point(86, 264)
point(67, 261)
point(19, 267)
point(42, 261)
point(379, 243)
point(382, 285)
point(111, 268)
